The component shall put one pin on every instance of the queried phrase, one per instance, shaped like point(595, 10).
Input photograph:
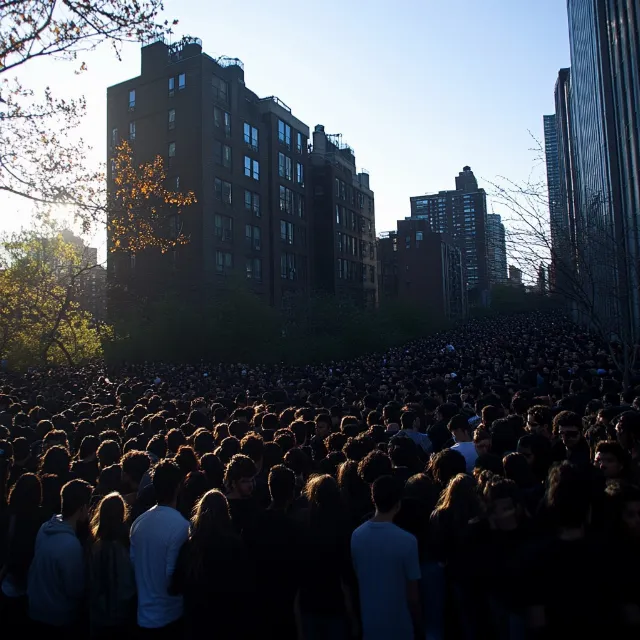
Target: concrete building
point(461, 215)
point(343, 227)
point(246, 159)
point(496, 249)
point(515, 276)
point(423, 269)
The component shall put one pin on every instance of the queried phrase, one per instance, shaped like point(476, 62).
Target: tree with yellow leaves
point(41, 322)
point(142, 212)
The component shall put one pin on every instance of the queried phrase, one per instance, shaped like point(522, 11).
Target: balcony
point(277, 101)
point(226, 61)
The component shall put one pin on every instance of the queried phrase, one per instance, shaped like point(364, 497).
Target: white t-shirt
point(468, 450)
point(156, 539)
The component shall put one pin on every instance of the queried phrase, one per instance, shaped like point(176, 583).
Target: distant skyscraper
point(461, 215)
point(496, 249)
point(553, 180)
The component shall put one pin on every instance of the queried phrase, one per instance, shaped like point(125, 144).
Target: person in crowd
point(156, 539)
point(112, 586)
point(387, 566)
point(410, 423)
point(215, 576)
point(612, 460)
point(239, 481)
point(460, 431)
point(56, 579)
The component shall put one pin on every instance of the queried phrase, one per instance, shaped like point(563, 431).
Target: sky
point(418, 89)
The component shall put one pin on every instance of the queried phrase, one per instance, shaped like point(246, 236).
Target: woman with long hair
point(325, 600)
point(112, 587)
point(25, 517)
point(213, 573)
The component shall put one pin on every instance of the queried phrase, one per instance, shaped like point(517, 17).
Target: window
point(182, 81)
point(251, 136)
point(132, 131)
point(222, 120)
point(252, 202)
point(172, 118)
point(253, 237)
point(220, 89)
point(172, 87)
point(337, 188)
point(251, 168)
point(339, 215)
point(300, 173)
point(132, 99)
point(172, 153)
point(224, 228)
point(372, 251)
point(285, 167)
point(372, 274)
point(286, 231)
point(343, 190)
point(418, 236)
point(224, 261)
point(286, 200)
point(222, 154)
point(254, 269)
point(114, 138)
point(222, 190)
point(284, 134)
point(288, 266)
point(340, 244)
point(300, 205)
point(299, 142)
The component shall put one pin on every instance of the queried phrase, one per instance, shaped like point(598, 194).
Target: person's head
point(568, 496)
point(446, 411)
point(611, 459)
point(167, 480)
point(55, 437)
point(109, 520)
point(187, 459)
point(490, 414)
point(628, 430)
point(460, 500)
point(26, 494)
point(459, 428)
point(539, 419)
point(517, 468)
point(75, 498)
point(482, 441)
point(158, 446)
point(213, 469)
point(623, 508)
point(134, 465)
point(282, 486)
point(203, 442)
point(410, 420)
point(109, 453)
point(175, 439)
point(374, 465)
point(299, 462)
point(88, 447)
point(56, 461)
point(445, 465)
point(502, 501)
point(323, 425)
point(386, 495)
point(252, 445)
point(239, 476)
point(567, 426)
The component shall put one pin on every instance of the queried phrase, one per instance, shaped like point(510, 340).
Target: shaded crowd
point(482, 483)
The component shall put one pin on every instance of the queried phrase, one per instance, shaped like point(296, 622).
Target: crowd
point(478, 484)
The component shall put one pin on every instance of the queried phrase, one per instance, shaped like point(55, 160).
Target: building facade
point(245, 158)
point(462, 216)
point(496, 249)
point(344, 230)
point(423, 269)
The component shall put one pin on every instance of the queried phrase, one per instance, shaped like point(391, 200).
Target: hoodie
point(56, 577)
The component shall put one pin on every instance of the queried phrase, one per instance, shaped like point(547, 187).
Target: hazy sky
point(418, 88)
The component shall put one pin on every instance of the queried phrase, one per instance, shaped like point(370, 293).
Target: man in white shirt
point(461, 432)
point(156, 539)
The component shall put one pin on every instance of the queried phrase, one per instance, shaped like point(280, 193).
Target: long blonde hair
point(109, 520)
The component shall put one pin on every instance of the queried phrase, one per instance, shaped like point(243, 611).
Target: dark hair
point(109, 519)
point(135, 464)
point(203, 442)
point(490, 414)
point(614, 448)
point(374, 465)
point(73, 496)
point(568, 495)
point(500, 489)
point(282, 484)
point(252, 445)
point(187, 459)
point(335, 441)
point(459, 422)
point(541, 415)
point(445, 465)
point(517, 468)
point(285, 439)
point(158, 446)
point(26, 494)
point(407, 419)
point(175, 438)
point(213, 469)
point(193, 488)
point(167, 478)
point(489, 462)
point(567, 419)
point(272, 455)
point(55, 461)
point(386, 493)
point(110, 479)
point(88, 446)
point(240, 466)
point(108, 453)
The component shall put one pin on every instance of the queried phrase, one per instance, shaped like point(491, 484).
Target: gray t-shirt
point(385, 557)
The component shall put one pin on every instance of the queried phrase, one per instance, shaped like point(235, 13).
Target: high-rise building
point(461, 215)
point(603, 142)
point(423, 269)
point(245, 158)
point(496, 249)
point(344, 227)
point(553, 182)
